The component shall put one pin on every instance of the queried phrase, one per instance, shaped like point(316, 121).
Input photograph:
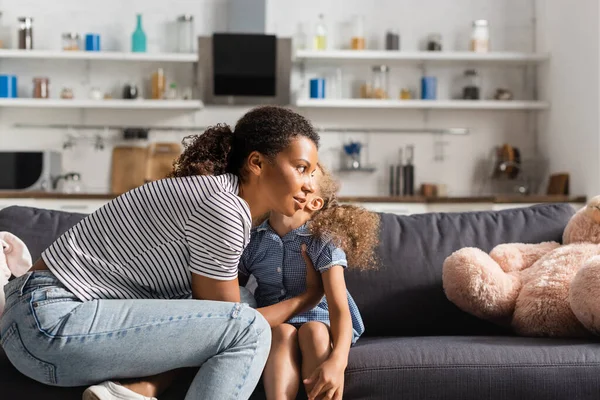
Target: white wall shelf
point(104, 104)
point(98, 55)
point(381, 56)
point(424, 104)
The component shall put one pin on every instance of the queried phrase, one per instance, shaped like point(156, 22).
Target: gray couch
point(417, 344)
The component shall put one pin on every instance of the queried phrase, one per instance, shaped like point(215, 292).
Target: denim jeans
point(51, 336)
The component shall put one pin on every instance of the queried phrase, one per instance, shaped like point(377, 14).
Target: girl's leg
point(315, 345)
point(52, 337)
point(281, 377)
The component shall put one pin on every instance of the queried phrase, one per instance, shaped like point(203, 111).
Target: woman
point(117, 296)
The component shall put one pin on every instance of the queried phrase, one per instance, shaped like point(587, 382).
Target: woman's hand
point(326, 382)
point(314, 283)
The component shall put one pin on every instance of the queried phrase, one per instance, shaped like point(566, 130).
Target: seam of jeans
point(249, 365)
point(161, 322)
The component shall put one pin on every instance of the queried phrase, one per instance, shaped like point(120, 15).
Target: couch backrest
point(38, 228)
point(405, 297)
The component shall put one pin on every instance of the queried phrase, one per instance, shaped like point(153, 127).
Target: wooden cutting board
point(160, 160)
point(128, 168)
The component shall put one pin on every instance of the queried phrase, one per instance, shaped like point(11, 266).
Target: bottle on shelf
point(138, 38)
point(408, 172)
point(320, 38)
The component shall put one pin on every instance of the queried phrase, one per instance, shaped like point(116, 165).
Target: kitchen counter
point(89, 202)
point(503, 199)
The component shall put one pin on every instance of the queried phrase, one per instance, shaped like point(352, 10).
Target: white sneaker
point(111, 391)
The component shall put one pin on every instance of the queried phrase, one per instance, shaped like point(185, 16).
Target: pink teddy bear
point(14, 260)
point(544, 289)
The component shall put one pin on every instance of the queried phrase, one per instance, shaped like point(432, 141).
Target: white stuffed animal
point(14, 260)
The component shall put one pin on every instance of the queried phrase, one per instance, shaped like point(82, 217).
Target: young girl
point(321, 337)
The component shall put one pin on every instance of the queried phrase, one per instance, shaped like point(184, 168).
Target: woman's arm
point(278, 313)
point(204, 288)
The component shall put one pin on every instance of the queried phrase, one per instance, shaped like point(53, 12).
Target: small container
point(428, 88)
point(366, 91)
point(434, 42)
point(138, 37)
point(392, 40)
point(159, 84)
point(41, 88)
point(471, 90)
point(8, 86)
point(185, 34)
point(25, 33)
point(70, 41)
point(92, 42)
point(317, 88)
point(406, 94)
point(480, 36)
point(67, 93)
point(130, 91)
point(380, 82)
point(320, 38)
point(358, 36)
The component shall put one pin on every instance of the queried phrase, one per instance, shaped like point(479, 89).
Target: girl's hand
point(326, 382)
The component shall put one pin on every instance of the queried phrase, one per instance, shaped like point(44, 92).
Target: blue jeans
point(51, 336)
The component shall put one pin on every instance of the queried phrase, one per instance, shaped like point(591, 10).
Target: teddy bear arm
point(513, 257)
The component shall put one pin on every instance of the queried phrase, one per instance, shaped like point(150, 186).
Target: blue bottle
point(138, 38)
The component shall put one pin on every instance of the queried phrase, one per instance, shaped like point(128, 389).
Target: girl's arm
point(328, 378)
point(277, 314)
point(339, 314)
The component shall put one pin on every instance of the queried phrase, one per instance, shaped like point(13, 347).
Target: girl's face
point(287, 180)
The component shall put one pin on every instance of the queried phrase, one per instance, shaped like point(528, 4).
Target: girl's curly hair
point(352, 228)
point(219, 150)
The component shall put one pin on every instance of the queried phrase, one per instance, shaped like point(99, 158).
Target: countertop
point(504, 199)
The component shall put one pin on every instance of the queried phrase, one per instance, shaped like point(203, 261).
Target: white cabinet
point(395, 208)
point(83, 206)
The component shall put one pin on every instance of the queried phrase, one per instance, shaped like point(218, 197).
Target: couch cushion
point(38, 228)
point(475, 368)
point(405, 296)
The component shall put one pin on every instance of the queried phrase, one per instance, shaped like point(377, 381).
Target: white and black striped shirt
point(146, 243)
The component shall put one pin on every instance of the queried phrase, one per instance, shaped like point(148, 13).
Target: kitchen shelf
point(424, 104)
point(104, 104)
point(382, 56)
point(98, 55)
point(361, 169)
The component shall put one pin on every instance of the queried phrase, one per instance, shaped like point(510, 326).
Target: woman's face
point(289, 177)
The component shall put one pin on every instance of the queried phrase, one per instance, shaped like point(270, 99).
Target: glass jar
point(185, 34)
point(434, 42)
point(70, 41)
point(471, 90)
point(392, 39)
point(358, 35)
point(41, 88)
point(480, 36)
point(380, 82)
point(25, 33)
point(159, 84)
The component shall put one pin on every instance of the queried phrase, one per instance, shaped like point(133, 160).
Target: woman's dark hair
point(219, 150)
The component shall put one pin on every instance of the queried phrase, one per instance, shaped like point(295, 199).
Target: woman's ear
point(254, 163)
point(315, 204)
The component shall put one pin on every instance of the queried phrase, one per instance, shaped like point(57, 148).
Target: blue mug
point(317, 88)
point(428, 88)
point(8, 86)
point(92, 42)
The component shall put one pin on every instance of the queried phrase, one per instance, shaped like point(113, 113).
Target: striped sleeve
point(217, 234)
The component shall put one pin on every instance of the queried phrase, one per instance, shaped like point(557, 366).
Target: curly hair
point(219, 150)
point(352, 228)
